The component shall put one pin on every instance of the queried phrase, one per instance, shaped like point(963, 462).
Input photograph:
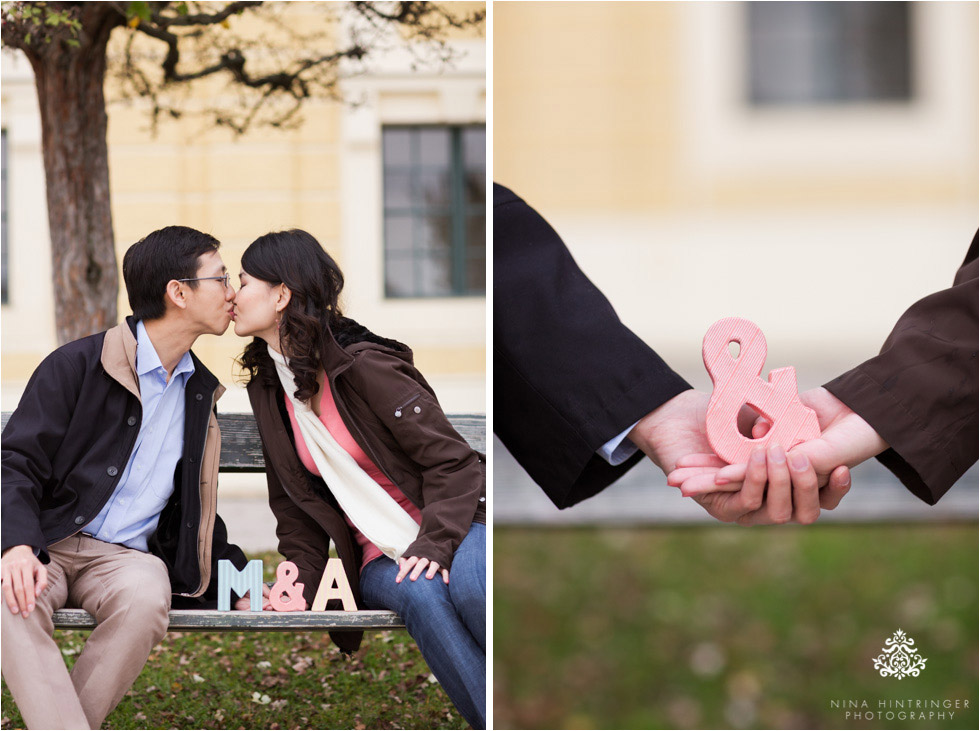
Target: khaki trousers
point(128, 593)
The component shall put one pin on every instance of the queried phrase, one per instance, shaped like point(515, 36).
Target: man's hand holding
point(23, 577)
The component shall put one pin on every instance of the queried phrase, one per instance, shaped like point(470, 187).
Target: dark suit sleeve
point(568, 375)
point(920, 392)
point(30, 444)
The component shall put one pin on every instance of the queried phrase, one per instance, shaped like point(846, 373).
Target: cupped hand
point(846, 440)
point(417, 565)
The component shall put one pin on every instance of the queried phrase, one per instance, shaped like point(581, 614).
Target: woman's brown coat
point(394, 416)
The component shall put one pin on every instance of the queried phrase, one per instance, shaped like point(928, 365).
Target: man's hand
point(23, 577)
point(673, 430)
point(813, 475)
point(244, 604)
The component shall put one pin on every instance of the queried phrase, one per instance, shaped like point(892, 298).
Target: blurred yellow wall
point(624, 124)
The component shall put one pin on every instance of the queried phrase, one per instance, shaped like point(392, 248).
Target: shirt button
point(483, 499)
point(398, 414)
point(131, 421)
point(79, 520)
point(418, 409)
point(112, 471)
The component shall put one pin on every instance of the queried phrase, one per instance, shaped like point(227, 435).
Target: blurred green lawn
point(722, 627)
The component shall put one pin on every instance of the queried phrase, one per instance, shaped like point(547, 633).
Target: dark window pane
point(476, 276)
point(396, 146)
point(398, 233)
point(476, 186)
point(475, 147)
point(436, 234)
point(828, 52)
point(476, 235)
point(435, 275)
point(433, 188)
point(399, 277)
point(434, 146)
point(398, 189)
point(434, 224)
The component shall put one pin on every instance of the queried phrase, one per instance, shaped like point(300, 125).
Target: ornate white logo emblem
point(899, 658)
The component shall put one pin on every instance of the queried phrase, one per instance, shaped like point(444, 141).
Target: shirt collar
point(148, 361)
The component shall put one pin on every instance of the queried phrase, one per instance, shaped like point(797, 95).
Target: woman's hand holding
point(406, 564)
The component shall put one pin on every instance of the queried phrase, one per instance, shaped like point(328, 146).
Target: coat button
point(79, 520)
point(398, 414)
point(112, 471)
point(190, 525)
point(198, 396)
point(418, 409)
point(483, 499)
point(131, 421)
point(193, 460)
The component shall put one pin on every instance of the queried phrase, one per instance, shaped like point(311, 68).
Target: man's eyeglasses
point(223, 279)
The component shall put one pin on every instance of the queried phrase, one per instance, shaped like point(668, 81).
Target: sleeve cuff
point(618, 449)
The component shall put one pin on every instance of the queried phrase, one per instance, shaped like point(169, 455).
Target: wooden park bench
point(241, 451)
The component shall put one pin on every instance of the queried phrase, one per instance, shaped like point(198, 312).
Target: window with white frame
point(828, 52)
point(434, 210)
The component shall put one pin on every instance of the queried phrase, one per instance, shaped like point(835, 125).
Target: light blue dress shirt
point(133, 511)
point(618, 449)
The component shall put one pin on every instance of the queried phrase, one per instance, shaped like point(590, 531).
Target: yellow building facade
point(632, 128)
point(325, 177)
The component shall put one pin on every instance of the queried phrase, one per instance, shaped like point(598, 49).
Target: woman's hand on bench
point(244, 604)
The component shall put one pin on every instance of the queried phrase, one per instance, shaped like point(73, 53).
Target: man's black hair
point(170, 253)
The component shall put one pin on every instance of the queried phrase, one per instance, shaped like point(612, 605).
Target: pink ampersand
point(737, 382)
point(287, 586)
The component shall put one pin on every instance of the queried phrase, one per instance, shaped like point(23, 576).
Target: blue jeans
point(448, 622)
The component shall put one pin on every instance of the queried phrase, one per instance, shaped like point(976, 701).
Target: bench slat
point(194, 620)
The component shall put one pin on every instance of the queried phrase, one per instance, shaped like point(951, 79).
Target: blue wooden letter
point(248, 580)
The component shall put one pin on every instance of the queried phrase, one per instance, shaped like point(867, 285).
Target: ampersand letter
point(736, 382)
point(286, 585)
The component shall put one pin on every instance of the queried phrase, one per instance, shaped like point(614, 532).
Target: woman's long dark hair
point(296, 259)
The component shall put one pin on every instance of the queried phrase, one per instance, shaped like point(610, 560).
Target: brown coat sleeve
point(920, 392)
point(453, 480)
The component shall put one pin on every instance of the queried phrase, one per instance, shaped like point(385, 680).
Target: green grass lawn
point(721, 627)
point(274, 681)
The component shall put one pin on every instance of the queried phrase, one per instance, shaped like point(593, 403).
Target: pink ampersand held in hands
point(737, 382)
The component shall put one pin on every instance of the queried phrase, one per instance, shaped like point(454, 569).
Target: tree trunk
point(76, 166)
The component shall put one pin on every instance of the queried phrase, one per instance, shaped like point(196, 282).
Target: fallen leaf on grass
point(301, 666)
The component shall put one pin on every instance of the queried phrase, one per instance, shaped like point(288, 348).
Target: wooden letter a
point(334, 574)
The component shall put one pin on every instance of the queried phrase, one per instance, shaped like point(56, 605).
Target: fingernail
point(722, 480)
point(30, 607)
point(759, 456)
point(776, 454)
point(798, 461)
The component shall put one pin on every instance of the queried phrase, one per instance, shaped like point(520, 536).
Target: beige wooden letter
point(334, 573)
